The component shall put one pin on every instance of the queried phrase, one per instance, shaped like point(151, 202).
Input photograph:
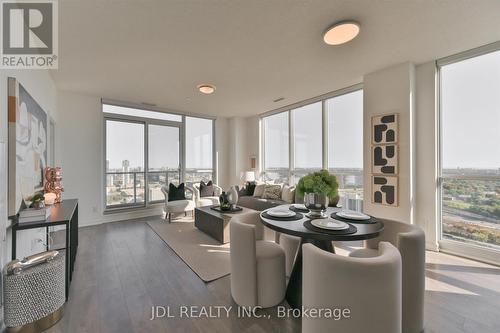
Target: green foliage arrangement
point(319, 182)
point(36, 199)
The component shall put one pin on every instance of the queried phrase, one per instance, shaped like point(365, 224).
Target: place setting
point(299, 208)
point(282, 214)
point(330, 226)
point(353, 216)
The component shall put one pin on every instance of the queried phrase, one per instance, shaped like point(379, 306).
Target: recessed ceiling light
point(206, 88)
point(341, 32)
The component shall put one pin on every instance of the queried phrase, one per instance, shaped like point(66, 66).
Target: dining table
point(317, 237)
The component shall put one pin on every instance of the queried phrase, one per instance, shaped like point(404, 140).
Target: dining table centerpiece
point(318, 189)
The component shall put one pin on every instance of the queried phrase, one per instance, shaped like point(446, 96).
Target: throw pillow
point(176, 192)
point(259, 190)
point(272, 192)
point(207, 190)
point(250, 188)
point(288, 193)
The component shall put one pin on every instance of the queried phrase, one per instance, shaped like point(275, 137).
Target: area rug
point(204, 255)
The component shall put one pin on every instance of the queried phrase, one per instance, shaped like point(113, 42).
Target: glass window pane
point(345, 146)
point(470, 111)
point(199, 143)
point(124, 146)
point(276, 151)
point(121, 110)
point(158, 179)
point(307, 136)
point(163, 149)
point(124, 163)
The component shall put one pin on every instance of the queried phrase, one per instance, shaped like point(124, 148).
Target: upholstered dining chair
point(369, 287)
point(290, 245)
point(257, 265)
point(410, 241)
point(177, 206)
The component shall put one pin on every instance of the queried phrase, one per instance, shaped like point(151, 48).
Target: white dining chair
point(257, 266)
point(410, 241)
point(369, 287)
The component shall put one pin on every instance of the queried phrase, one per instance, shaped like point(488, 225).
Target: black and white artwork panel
point(385, 160)
point(385, 129)
point(385, 190)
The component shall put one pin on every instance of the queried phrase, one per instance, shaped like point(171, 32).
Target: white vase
point(233, 196)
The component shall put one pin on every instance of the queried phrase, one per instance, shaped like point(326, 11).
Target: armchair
point(205, 201)
point(178, 206)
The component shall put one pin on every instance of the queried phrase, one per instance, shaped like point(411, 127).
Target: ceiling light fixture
point(206, 88)
point(341, 32)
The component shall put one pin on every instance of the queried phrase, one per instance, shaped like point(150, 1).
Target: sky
point(345, 128)
point(471, 113)
point(125, 141)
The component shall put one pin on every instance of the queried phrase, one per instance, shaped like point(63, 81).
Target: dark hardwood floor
point(124, 268)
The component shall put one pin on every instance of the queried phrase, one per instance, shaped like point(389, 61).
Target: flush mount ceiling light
point(206, 88)
point(341, 32)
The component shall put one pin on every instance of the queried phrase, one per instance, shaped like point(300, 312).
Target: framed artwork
point(385, 159)
point(385, 129)
point(385, 190)
point(27, 145)
point(253, 162)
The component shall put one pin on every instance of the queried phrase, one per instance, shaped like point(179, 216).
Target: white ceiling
point(253, 51)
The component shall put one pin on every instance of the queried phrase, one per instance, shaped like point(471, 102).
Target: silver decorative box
point(34, 292)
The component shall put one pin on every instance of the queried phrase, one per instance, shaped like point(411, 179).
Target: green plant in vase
point(318, 190)
point(37, 200)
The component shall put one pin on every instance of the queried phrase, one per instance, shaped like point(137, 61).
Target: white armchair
point(257, 266)
point(369, 287)
point(410, 241)
point(178, 206)
point(205, 201)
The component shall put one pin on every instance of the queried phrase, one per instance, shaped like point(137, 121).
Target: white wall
point(41, 87)
point(391, 90)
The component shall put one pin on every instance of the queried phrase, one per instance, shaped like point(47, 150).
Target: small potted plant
point(318, 189)
point(37, 200)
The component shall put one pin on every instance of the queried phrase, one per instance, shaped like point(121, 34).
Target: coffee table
point(214, 223)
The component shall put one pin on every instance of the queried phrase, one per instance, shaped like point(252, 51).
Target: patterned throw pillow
point(207, 190)
point(272, 192)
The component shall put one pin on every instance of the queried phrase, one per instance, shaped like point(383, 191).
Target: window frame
point(324, 128)
point(469, 250)
point(146, 122)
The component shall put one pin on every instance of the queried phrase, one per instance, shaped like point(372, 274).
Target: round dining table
point(323, 240)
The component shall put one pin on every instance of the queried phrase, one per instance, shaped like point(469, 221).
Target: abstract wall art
point(385, 159)
point(27, 147)
point(385, 190)
point(385, 129)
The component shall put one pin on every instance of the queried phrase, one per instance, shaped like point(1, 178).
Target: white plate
point(280, 213)
point(353, 215)
point(299, 206)
point(330, 224)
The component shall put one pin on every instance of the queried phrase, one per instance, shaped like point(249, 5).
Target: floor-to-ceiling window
point(199, 149)
point(470, 150)
point(345, 146)
point(324, 134)
point(276, 149)
point(147, 149)
point(307, 140)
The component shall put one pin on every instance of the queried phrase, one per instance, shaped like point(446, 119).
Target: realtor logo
point(29, 38)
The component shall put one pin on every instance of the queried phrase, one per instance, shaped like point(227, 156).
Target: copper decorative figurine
point(53, 178)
